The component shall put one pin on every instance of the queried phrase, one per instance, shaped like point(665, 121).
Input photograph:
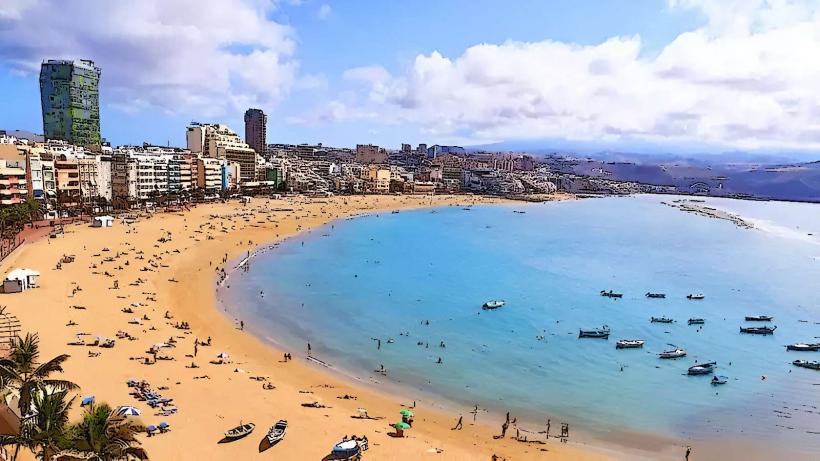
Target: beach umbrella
point(222, 355)
point(128, 411)
point(401, 425)
point(87, 400)
point(406, 412)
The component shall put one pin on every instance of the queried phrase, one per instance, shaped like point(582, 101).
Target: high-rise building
point(406, 148)
point(369, 153)
point(70, 97)
point(256, 130)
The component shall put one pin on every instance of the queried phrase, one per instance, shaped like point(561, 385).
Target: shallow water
point(380, 276)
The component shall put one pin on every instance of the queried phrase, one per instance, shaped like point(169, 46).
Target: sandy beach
point(164, 268)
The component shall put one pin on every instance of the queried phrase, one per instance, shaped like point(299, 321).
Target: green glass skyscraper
point(69, 91)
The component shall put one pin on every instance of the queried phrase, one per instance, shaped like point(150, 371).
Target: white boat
point(493, 304)
point(277, 431)
point(702, 368)
point(696, 296)
point(673, 354)
point(629, 344)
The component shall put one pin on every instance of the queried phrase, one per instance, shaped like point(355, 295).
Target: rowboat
point(673, 354)
point(697, 296)
point(277, 431)
point(758, 318)
point(758, 330)
point(629, 344)
point(346, 450)
point(694, 321)
point(807, 364)
point(240, 431)
point(602, 332)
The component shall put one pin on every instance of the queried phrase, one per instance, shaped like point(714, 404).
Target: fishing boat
point(655, 295)
point(694, 321)
point(673, 353)
point(702, 368)
point(240, 431)
point(611, 294)
point(277, 431)
point(602, 332)
point(807, 364)
point(758, 330)
point(629, 344)
point(758, 318)
point(661, 320)
point(718, 380)
point(803, 347)
point(493, 304)
point(692, 296)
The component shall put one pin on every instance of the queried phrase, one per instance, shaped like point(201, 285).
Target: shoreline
point(180, 251)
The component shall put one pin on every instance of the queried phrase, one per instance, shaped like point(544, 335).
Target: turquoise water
point(381, 276)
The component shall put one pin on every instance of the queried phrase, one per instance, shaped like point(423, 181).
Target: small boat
point(673, 353)
point(697, 296)
point(661, 320)
point(758, 330)
point(655, 295)
point(240, 431)
point(493, 304)
point(346, 449)
point(277, 431)
point(758, 318)
point(807, 364)
point(629, 344)
point(602, 332)
point(802, 347)
point(694, 321)
point(702, 368)
point(718, 380)
point(611, 294)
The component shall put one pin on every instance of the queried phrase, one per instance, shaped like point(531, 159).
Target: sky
point(656, 75)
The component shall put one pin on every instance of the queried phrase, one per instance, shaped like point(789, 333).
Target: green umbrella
point(401, 425)
point(406, 412)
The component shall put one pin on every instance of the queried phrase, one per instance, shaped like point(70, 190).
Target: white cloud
point(324, 11)
point(200, 57)
point(749, 78)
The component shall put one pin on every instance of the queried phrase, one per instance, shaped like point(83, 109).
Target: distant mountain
point(20, 134)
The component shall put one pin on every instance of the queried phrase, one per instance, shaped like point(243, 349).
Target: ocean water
point(382, 276)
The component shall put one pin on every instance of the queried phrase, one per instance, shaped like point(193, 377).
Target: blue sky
point(620, 74)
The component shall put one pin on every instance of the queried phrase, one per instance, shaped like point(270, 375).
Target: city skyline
point(680, 76)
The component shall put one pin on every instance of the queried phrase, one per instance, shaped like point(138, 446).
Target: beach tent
point(19, 280)
point(128, 411)
point(103, 221)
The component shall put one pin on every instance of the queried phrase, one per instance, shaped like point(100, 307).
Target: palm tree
point(21, 372)
point(106, 436)
point(45, 428)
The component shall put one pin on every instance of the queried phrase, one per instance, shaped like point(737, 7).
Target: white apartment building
point(219, 141)
point(209, 174)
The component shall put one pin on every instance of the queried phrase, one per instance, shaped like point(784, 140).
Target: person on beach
point(688, 452)
point(196, 348)
point(504, 428)
point(242, 325)
point(548, 428)
point(458, 425)
point(310, 350)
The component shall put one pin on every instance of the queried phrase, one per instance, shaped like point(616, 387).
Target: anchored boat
point(655, 295)
point(661, 320)
point(694, 321)
point(611, 294)
point(693, 296)
point(758, 318)
point(493, 304)
point(803, 347)
point(629, 344)
point(807, 364)
point(702, 368)
point(602, 332)
point(673, 353)
point(718, 380)
point(758, 330)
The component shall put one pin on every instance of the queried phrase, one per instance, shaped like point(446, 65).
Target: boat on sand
point(239, 431)
point(277, 431)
